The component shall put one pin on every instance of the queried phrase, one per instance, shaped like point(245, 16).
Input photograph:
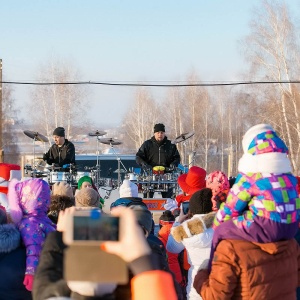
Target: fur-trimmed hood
point(9, 238)
point(196, 225)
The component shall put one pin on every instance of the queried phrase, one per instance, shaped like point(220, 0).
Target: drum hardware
point(182, 138)
point(36, 136)
point(112, 142)
point(97, 171)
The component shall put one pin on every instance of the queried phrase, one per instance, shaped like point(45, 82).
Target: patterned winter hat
point(264, 151)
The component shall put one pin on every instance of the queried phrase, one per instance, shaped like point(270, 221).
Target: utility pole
point(1, 117)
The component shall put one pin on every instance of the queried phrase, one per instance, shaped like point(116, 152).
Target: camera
point(90, 227)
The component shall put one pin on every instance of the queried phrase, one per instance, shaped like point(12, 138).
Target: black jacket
point(60, 155)
point(154, 154)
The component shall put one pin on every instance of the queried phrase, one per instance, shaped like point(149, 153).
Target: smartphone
point(185, 207)
point(90, 227)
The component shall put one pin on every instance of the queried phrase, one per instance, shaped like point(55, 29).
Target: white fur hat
point(128, 189)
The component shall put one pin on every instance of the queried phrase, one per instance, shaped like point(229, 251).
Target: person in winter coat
point(195, 235)
point(29, 203)
point(158, 151)
point(12, 261)
point(147, 283)
point(250, 271)
point(62, 152)
point(263, 204)
point(166, 221)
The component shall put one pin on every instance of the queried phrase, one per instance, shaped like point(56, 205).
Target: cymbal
point(121, 171)
point(183, 137)
point(36, 136)
point(109, 141)
point(97, 133)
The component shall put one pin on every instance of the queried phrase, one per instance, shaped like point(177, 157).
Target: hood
point(9, 238)
point(196, 225)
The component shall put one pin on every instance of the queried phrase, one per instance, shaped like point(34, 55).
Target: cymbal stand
point(98, 169)
point(34, 171)
point(119, 164)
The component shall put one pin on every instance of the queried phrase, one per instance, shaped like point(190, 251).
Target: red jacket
point(173, 262)
point(252, 271)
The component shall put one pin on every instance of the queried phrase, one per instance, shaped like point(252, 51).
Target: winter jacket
point(250, 271)
point(265, 186)
point(196, 236)
point(173, 262)
point(154, 154)
point(29, 202)
point(60, 155)
point(12, 264)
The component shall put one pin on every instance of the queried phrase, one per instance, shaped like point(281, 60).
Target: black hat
point(59, 131)
point(159, 127)
point(200, 202)
point(143, 216)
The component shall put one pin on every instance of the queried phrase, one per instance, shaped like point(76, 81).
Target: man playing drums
point(62, 152)
point(158, 151)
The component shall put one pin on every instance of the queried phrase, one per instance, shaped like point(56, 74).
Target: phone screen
point(185, 207)
point(103, 228)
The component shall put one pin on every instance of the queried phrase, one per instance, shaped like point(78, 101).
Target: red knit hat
point(193, 180)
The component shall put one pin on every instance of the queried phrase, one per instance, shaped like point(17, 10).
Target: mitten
point(28, 281)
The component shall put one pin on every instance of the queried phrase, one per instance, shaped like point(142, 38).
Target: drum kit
point(55, 174)
point(159, 179)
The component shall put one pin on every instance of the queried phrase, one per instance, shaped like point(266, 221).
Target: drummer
point(62, 152)
point(158, 151)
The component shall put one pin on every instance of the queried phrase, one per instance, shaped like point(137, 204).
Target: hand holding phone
point(185, 207)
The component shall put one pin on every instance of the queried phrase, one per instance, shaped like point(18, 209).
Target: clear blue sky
point(124, 41)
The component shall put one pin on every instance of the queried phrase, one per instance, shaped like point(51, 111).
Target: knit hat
point(193, 180)
point(143, 216)
point(128, 189)
point(264, 151)
point(59, 131)
point(3, 215)
point(217, 181)
point(200, 202)
point(62, 188)
point(87, 198)
point(166, 218)
point(159, 127)
point(84, 179)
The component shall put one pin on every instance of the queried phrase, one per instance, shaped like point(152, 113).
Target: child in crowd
point(87, 182)
point(263, 204)
point(29, 203)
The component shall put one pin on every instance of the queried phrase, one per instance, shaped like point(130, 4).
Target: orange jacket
point(245, 270)
point(152, 285)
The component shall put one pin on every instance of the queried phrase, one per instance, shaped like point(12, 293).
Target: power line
point(149, 84)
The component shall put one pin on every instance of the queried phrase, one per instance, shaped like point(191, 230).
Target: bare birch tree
point(60, 104)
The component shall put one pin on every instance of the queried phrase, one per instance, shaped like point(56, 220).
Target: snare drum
point(59, 176)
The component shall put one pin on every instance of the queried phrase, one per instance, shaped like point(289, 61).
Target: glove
point(28, 281)
point(172, 167)
point(66, 166)
point(146, 167)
